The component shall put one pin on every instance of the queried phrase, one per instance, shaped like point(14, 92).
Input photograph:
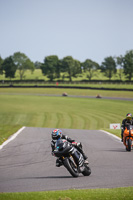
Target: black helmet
point(129, 116)
point(56, 134)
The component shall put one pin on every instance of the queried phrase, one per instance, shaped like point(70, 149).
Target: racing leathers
point(125, 123)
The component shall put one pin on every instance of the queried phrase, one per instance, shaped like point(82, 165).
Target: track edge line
point(118, 138)
point(12, 137)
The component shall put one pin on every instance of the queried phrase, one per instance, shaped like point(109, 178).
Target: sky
point(83, 29)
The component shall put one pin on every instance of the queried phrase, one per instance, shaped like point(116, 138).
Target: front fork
point(128, 138)
point(71, 158)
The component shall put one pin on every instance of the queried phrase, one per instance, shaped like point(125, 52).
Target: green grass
point(74, 84)
point(7, 130)
point(59, 112)
point(75, 113)
point(59, 91)
point(90, 194)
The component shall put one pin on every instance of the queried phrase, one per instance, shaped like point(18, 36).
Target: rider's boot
point(84, 156)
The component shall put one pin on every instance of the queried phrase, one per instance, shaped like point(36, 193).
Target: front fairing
point(62, 148)
point(128, 132)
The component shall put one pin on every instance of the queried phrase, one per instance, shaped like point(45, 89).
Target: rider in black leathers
point(127, 121)
point(57, 134)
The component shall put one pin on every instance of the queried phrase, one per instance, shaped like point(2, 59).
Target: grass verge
point(7, 130)
point(89, 194)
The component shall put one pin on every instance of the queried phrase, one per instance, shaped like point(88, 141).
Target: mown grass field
point(60, 91)
point(26, 107)
point(60, 112)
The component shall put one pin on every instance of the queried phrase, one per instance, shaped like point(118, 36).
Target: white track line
point(116, 137)
point(12, 137)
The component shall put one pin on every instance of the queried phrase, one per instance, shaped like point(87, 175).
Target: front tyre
point(129, 145)
point(69, 165)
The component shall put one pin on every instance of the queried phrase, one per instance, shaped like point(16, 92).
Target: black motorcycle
point(71, 158)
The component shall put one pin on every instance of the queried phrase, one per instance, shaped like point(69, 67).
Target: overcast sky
point(83, 29)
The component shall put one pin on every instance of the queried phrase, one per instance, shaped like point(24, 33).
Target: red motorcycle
point(128, 137)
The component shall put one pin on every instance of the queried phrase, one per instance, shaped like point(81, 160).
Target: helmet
point(56, 134)
point(129, 116)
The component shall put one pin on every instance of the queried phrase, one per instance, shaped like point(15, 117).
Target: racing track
point(26, 163)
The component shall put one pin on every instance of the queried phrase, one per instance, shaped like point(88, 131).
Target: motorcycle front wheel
point(70, 166)
point(129, 145)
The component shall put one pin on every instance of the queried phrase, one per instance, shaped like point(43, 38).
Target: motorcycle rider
point(57, 134)
point(127, 121)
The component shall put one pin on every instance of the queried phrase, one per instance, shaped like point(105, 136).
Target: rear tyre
point(69, 165)
point(87, 171)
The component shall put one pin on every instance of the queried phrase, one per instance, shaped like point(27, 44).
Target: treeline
point(53, 67)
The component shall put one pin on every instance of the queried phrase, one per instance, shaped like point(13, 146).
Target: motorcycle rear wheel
point(69, 165)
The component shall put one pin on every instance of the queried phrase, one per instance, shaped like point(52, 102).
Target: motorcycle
point(128, 137)
point(71, 158)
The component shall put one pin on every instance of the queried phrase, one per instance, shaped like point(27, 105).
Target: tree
point(1, 69)
point(9, 67)
point(50, 67)
point(71, 66)
point(90, 66)
point(23, 63)
point(37, 65)
point(109, 67)
point(119, 61)
point(128, 64)
point(77, 68)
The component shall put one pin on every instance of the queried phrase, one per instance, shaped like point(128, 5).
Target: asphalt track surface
point(26, 163)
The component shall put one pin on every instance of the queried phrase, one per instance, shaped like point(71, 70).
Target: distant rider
point(56, 135)
point(127, 121)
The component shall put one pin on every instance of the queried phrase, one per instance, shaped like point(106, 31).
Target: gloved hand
point(74, 143)
point(78, 144)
